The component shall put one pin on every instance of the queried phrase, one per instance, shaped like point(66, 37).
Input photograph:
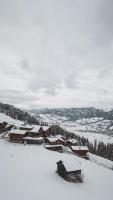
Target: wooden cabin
point(16, 135)
point(34, 132)
point(71, 142)
point(54, 141)
point(81, 151)
point(38, 131)
point(33, 140)
point(2, 126)
point(44, 131)
point(69, 171)
point(54, 148)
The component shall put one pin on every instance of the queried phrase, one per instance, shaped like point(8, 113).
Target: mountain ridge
point(74, 114)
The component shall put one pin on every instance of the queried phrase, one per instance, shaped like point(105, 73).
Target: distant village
point(43, 135)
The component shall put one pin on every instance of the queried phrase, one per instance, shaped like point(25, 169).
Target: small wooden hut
point(81, 151)
point(69, 171)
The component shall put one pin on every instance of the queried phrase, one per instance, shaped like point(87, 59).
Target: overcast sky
point(56, 53)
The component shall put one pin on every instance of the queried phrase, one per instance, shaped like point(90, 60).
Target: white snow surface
point(91, 128)
point(99, 137)
point(79, 148)
point(72, 164)
point(28, 172)
point(9, 120)
point(26, 126)
point(72, 141)
point(35, 128)
point(45, 128)
point(54, 139)
point(32, 138)
point(17, 131)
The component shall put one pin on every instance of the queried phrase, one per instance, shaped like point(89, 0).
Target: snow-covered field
point(28, 172)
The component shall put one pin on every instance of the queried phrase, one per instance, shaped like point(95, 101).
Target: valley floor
point(28, 172)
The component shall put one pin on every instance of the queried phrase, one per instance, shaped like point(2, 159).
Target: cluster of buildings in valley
point(36, 134)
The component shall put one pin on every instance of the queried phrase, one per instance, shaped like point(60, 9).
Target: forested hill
point(73, 114)
point(16, 113)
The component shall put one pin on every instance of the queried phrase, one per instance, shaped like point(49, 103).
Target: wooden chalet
point(38, 131)
point(2, 126)
point(44, 131)
point(69, 171)
point(16, 135)
point(81, 151)
point(33, 140)
point(58, 148)
point(34, 132)
point(71, 142)
point(54, 141)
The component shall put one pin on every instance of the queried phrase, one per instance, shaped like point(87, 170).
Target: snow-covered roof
point(26, 126)
point(79, 148)
point(8, 125)
point(17, 131)
point(71, 164)
point(111, 128)
point(59, 136)
point(35, 129)
point(45, 128)
point(54, 139)
point(31, 138)
point(72, 141)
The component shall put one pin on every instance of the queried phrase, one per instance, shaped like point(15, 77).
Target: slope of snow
point(28, 172)
point(9, 120)
point(101, 161)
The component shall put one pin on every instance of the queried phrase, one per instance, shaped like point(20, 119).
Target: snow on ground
point(9, 120)
point(91, 136)
point(28, 172)
point(90, 128)
point(101, 161)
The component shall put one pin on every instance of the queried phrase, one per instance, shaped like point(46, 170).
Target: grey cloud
point(45, 44)
point(16, 97)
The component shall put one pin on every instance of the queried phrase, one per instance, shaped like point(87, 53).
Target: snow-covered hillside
point(91, 128)
point(28, 172)
point(9, 120)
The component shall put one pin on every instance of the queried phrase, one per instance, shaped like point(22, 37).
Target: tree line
point(97, 148)
point(16, 113)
